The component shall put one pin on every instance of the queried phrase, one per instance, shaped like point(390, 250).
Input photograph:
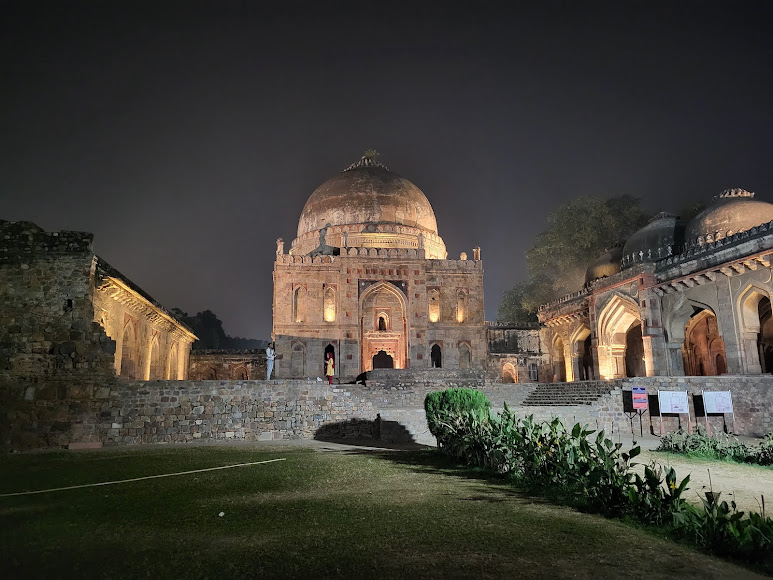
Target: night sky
point(188, 136)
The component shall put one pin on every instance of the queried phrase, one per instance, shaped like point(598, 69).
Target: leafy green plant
point(589, 470)
point(655, 501)
point(763, 453)
point(698, 444)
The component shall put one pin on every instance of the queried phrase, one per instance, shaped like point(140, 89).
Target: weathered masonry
point(69, 322)
point(678, 299)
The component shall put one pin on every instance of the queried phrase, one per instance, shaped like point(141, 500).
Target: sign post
point(640, 405)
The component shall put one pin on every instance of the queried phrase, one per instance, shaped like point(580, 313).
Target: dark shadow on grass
point(427, 460)
point(366, 433)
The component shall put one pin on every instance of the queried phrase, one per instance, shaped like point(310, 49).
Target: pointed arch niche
point(621, 349)
point(329, 304)
point(703, 349)
point(129, 352)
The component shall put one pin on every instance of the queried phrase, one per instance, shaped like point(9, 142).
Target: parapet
point(21, 239)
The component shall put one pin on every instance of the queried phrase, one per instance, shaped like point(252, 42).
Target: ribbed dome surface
point(733, 211)
point(365, 193)
point(659, 233)
point(608, 264)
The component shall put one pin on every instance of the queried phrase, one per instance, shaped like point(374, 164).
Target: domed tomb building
point(368, 280)
point(680, 299)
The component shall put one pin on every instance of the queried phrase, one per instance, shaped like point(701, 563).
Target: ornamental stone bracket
point(732, 269)
point(115, 289)
point(564, 319)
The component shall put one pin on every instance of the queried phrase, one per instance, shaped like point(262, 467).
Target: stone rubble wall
point(118, 412)
point(47, 328)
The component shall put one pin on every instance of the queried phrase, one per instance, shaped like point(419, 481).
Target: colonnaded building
point(677, 299)
point(369, 280)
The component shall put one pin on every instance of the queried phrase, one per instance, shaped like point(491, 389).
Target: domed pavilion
point(367, 279)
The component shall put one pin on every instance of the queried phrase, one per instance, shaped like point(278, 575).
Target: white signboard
point(717, 401)
point(673, 402)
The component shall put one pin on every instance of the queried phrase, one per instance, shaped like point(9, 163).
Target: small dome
point(652, 242)
point(367, 193)
point(607, 265)
point(733, 211)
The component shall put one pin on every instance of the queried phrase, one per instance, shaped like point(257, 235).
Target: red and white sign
point(639, 397)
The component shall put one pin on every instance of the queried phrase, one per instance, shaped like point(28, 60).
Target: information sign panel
point(717, 401)
point(639, 397)
point(673, 402)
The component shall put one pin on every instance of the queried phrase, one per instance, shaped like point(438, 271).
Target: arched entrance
point(509, 374)
point(382, 360)
point(756, 331)
point(634, 352)
point(703, 350)
point(383, 326)
point(621, 349)
point(582, 355)
point(436, 356)
point(765, 336)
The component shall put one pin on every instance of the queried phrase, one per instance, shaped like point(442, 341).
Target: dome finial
point(369, 159)
point(735, 192)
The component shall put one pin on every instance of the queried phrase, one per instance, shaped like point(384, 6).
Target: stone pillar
point(594, 345)
point(675, 359)
point(617, 361)
point(751, 354)
point(576, 361)
point(729, 328)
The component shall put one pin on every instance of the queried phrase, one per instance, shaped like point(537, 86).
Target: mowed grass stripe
point(326, 515)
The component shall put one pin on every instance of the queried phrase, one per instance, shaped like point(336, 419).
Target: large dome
point(733, 211)
point(367, 193)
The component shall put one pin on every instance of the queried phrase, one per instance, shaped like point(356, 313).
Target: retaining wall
point(118, 412)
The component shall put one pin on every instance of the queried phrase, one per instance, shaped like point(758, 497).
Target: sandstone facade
point(368, 280)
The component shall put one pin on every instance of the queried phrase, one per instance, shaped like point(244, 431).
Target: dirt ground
point(746, 484)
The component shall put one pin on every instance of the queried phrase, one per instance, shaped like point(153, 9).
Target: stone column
point(576, 361)
point(617, 361)
point(675, 359)
point(730, 329)
point(751, 354)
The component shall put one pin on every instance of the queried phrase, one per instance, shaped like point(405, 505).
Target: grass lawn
point(336, 513)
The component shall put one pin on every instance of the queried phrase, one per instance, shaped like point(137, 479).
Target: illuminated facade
point(368, 279)
point(677, 299)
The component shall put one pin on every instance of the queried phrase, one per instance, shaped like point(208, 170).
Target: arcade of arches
point(679, 298)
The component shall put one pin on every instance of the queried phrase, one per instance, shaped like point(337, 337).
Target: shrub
point(763, 453)
point(443, 407)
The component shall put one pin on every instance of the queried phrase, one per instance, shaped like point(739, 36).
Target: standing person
point(330, 365)
point(270, 356)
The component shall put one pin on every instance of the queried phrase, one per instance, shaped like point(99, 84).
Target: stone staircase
point(564, 394)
